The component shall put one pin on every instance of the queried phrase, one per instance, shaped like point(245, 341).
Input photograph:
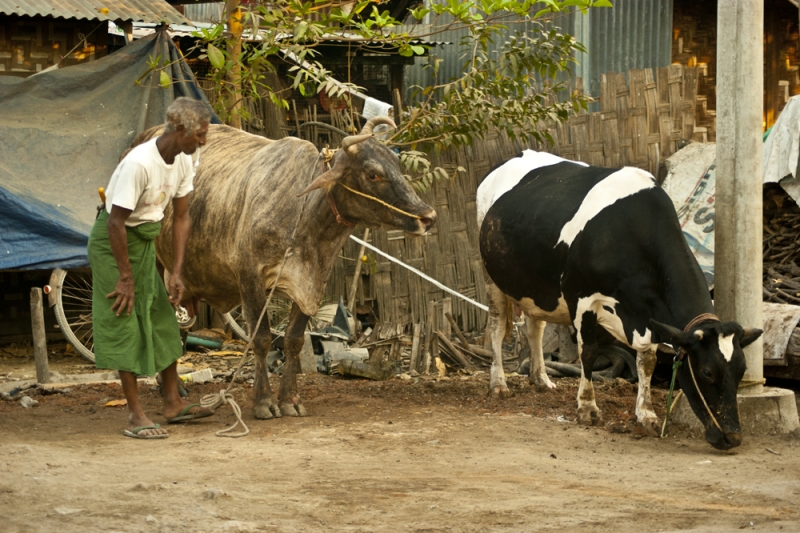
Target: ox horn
point(366, 132)
point(375, 121)
point(351, 140)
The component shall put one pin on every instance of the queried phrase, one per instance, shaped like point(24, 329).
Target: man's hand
point(123, 294)
point(175, 290)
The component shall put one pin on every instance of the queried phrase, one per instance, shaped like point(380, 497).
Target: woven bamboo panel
point(29, 45)
point(642, 120)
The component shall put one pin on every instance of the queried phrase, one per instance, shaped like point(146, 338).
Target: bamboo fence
point(643, 117)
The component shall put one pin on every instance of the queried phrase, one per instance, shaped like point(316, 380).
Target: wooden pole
point(460, 358)
point(351, 297)
point(412, 364)
point(39, 337)
point(429, 338)
point(447, 308)
point(459, 334)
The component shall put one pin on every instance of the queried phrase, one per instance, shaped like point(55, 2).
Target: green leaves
point(215, 56)
point(506, 80)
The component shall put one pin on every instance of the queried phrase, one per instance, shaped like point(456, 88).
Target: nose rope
point(713, 418)
point(393, 208)
point(680, 353)
point(327, 155)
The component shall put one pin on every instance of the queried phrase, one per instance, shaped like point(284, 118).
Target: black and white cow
point(601, 249)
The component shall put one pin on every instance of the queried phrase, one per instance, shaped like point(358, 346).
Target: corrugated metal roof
point(136, 10)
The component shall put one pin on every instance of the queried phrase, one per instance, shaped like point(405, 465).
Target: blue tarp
point(61, 135)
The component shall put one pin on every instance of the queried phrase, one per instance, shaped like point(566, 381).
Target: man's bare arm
point(181, 222)
point(124, 290)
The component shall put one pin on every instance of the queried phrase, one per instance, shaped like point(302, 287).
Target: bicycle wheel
point(73, 290)
point(235, 319)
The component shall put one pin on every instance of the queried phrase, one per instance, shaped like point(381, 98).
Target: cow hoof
point(499, 391)
point(276, 411)
point(651, 426)
point(589, 416)
point(265, 412)
point(301, 411)
point(288, 410)
point(543, 386)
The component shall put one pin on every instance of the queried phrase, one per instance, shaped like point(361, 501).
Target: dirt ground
point(419, 455)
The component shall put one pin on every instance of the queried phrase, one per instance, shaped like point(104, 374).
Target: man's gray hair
point(191, 113)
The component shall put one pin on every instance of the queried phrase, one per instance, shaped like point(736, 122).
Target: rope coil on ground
point(213, 401)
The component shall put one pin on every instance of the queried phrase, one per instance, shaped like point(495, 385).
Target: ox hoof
point(266, 412)
point(288, 410)
point(589, 416)
point(651, 426)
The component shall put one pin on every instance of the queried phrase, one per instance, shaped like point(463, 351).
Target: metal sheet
point(153, 11)
point(213, 12)
point(634, 34)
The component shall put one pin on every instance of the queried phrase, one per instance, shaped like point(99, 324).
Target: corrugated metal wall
point(211, 12)
point(634, 34)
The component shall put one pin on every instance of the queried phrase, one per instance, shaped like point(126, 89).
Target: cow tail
point(509, 320)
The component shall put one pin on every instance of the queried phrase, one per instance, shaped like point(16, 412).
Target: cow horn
point(375, 121)
point(327, 178)
point(351, 140)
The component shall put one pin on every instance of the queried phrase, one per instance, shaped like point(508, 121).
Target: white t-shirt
point(145, 184)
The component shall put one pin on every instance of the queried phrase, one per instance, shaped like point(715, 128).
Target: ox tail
point(143, 137)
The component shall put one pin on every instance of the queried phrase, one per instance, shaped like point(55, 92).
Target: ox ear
point(327, 179)
point(749, 336)
point(669, 335)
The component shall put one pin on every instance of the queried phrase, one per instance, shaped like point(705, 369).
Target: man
point(135, 329)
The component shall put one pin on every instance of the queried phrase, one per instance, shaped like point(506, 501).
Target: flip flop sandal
point(185, 415)
point(134, 433)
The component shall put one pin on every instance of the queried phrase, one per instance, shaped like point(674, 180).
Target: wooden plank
point(689, 103)
point(675, 86)
point(579, 130)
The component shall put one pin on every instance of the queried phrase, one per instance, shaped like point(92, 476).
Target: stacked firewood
point(781, 248)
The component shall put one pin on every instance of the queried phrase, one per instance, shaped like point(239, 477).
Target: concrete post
point(738, 228)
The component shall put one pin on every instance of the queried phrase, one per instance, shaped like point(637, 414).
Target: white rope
point(420, 274)
point(212, 401)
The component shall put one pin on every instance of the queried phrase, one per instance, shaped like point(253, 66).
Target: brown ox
point(248, 197)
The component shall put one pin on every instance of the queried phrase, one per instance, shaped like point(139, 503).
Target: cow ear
point(749, 336)
point(326, 179)
point(669, 335)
